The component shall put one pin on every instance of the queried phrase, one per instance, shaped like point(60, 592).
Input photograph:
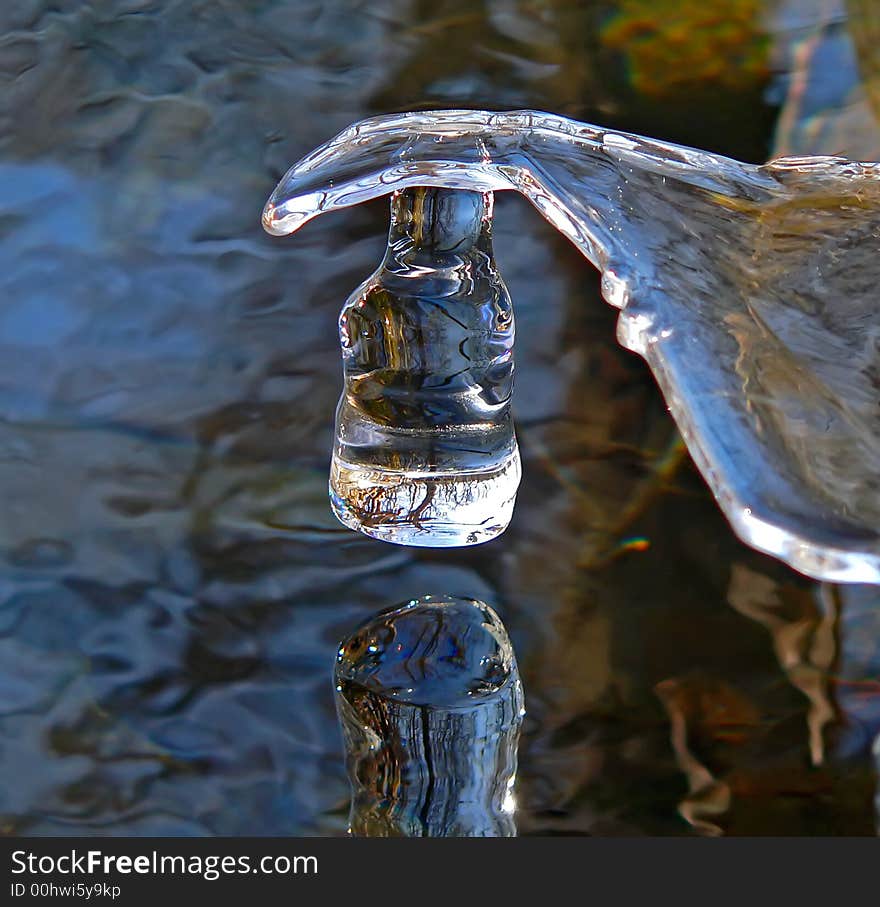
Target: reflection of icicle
point(707, 796)
point(805, 643)
point(430, 704)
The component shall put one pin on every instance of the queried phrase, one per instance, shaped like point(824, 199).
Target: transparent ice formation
point(750, 291)
point(430, 703)
point(425, 452)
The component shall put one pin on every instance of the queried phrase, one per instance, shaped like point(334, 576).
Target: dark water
point(173, 584)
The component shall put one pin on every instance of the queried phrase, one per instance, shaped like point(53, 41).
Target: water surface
point(174, 585)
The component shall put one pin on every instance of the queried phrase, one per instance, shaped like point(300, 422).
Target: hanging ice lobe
point(425, 453)
point(751, 291)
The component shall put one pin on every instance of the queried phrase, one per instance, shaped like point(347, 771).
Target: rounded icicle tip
point(281, 218)
point(270, 219)
point(438, 651)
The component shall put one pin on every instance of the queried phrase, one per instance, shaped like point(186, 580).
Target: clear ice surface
point(425, 452)
point(430, 704)
point(750, 291)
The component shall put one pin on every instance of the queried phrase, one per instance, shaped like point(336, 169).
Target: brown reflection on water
point(804, 639)
point(699, 708)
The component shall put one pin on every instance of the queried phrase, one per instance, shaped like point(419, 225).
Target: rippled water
point(174, 585)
